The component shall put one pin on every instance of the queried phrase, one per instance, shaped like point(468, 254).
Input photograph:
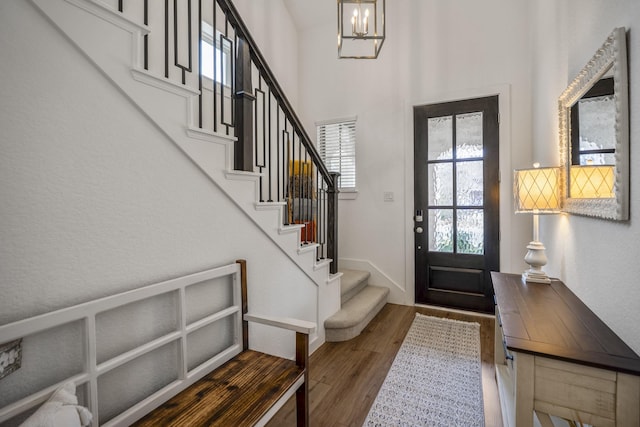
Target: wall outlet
point(10, 357)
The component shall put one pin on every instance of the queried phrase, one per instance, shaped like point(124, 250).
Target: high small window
point(337, 146)
point(222, 51)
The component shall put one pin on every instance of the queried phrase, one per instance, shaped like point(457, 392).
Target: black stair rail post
point(332, 221)
point(260, 62)
point(244, 98)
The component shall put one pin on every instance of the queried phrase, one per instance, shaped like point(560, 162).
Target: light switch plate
point(10, 357)
point(388, 196)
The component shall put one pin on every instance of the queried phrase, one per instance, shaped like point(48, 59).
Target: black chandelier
point(361, 29)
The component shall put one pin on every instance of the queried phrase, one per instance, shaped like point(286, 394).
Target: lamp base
point(536, 258)
point(532, 276)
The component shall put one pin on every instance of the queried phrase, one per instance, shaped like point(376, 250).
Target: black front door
point(456, 203)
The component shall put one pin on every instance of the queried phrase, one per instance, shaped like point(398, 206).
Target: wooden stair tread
point(237, 393)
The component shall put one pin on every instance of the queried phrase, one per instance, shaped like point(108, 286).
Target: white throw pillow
point(61, 410)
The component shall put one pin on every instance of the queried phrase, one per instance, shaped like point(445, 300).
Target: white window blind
point(337, 145)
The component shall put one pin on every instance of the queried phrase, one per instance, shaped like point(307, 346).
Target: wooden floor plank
point(345, 377)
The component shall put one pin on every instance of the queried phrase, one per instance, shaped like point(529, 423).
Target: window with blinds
point(337, 146)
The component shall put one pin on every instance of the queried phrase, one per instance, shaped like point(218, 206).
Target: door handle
point(419, 230)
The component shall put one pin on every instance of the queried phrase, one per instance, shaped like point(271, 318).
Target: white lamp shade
point(592, 182)
point(536, 190)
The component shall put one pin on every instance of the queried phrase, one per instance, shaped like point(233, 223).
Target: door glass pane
point(469, 183)
point(440, 137)
point(440, 184)
point(441, 230)
point(470, 231)
point(469, 135)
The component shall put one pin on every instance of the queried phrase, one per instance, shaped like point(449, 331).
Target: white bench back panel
point(136, 349)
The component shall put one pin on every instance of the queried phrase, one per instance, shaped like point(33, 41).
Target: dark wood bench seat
point(238, 393)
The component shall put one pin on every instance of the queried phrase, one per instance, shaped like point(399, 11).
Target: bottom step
point(355, 314)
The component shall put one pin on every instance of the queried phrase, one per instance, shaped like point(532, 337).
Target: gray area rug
point(435, 379)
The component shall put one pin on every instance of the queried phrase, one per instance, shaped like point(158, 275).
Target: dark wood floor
point(345, 377)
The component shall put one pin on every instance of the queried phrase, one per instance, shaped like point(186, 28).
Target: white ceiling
point(309, 13)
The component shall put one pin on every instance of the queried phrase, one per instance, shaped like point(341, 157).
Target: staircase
point(360, 302)
point(243, 135)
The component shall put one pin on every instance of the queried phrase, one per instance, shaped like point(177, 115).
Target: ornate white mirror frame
point(610, 59)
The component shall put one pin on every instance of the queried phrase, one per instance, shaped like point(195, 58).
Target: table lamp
point(536, 191)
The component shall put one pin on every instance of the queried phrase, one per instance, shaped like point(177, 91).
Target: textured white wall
point(597, 259)
point(435, 51)
point(96, 200)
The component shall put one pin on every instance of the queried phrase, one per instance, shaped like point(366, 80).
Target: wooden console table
point(554, 356)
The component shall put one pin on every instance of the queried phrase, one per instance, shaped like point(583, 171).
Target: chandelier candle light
point(536, 191)
point(361, 29)
point(359, 25)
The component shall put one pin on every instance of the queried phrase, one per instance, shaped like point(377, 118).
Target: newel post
point(244, 98)
point(332, 221)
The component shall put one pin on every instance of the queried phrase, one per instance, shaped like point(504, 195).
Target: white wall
point(435, 51)
point(597, 259)
point(275, 33)
point(96, 200)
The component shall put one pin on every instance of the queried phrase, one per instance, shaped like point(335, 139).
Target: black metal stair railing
point(240, 97)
